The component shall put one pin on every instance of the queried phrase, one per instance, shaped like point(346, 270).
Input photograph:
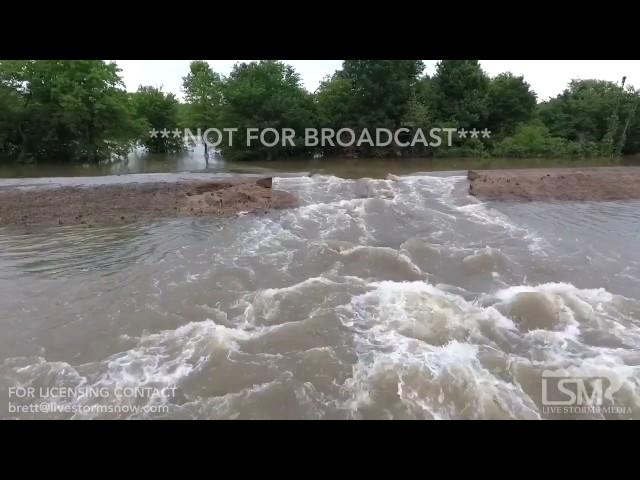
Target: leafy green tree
point(629, 139)
point(510, 102)
point(12, 99)
point(71, 109)
point(159, 112)
point(459, 93)
point(380, 90)
point(203, 95)
point(265, 94)
point(184, 117)
point(594, 111)
point(532, 140)
point(417, 114)
point(371, 94)
point(582, 111)
point(11, 111)
point(424, 91)
point(334, 99)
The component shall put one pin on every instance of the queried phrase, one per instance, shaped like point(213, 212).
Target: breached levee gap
point(128, 198)
point(577, 184)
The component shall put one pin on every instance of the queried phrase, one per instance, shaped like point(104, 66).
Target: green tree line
point(80, 111)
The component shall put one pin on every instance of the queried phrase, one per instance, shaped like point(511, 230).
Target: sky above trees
point(547, 78)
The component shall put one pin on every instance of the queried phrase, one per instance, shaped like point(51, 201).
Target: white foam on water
point(274, 306)
point(418, 352)
point(422, 381)
point(160, 360)
point(482, 214)
point(228, 406)
point(585, 297)
point(382, 261)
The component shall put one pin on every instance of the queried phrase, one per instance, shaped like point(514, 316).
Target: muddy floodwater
point(193, 161)
point(388, 297)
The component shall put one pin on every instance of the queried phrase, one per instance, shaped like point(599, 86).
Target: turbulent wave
point(395, 298)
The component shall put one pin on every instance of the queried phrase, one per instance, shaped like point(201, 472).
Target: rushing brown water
point(392, 298)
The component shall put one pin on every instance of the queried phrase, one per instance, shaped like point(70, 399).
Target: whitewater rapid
point(402, 298)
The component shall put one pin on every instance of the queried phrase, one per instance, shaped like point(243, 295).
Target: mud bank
point(135, 197)
point(582, 184)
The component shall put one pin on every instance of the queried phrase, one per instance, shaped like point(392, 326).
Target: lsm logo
point(563, 394)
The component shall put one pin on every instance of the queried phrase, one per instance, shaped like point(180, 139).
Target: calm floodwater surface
point(384, 298)
point(193, 160)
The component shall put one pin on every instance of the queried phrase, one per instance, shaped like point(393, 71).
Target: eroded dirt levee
point(578, 184)
point(66, 202)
